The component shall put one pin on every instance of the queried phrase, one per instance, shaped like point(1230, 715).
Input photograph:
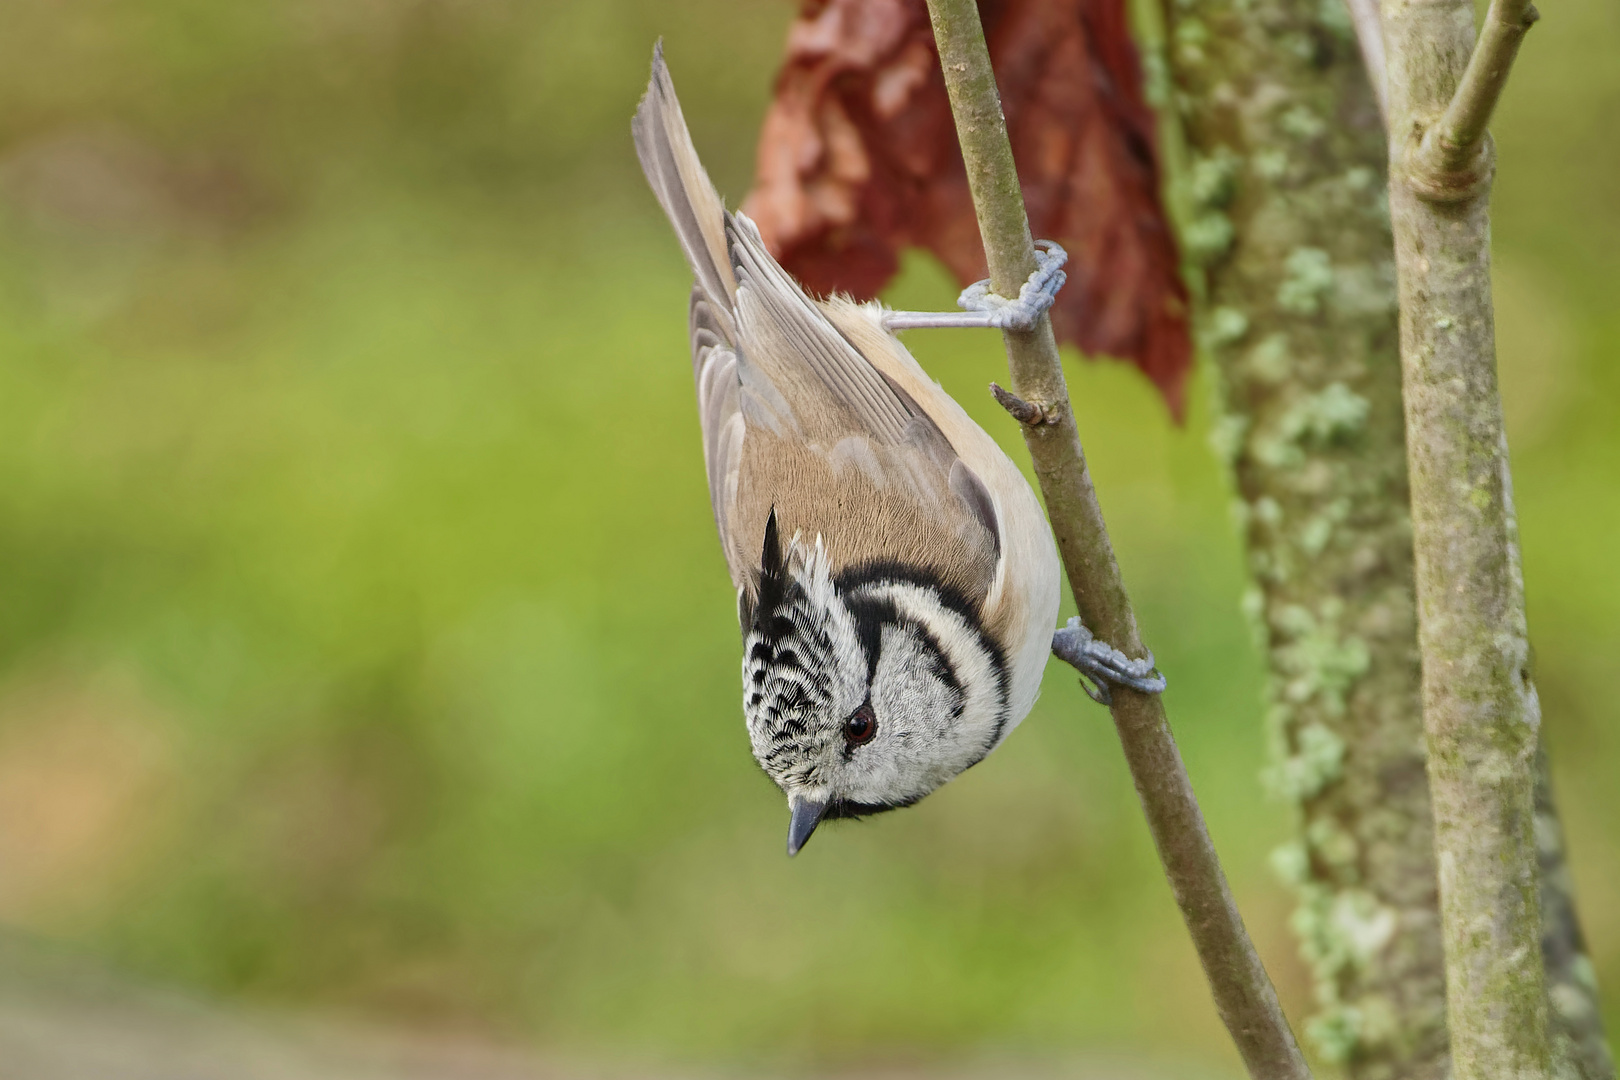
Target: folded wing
point(794, 416)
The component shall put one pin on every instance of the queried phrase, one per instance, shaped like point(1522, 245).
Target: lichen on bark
point(1283, 199)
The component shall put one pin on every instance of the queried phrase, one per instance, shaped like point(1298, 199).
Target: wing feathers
point(684, 190)
point(966, 485)
point(794, 414)
point(714, 370)
point(787, 334)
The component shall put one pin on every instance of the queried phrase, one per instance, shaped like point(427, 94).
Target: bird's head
point(865, 690)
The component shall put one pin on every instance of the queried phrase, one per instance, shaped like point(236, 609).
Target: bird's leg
point(984, 309)
point(1103, 664)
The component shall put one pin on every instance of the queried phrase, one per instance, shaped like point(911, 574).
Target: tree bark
point(1243, 993)
point(1480, 708)
point(1285, 213)
point(1579, 1047)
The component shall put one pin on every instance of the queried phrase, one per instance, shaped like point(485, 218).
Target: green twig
point(1243, 993)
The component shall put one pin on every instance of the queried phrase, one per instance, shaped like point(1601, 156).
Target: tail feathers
point(684, 190)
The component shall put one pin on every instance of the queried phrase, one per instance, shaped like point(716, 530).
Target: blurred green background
point(364, 641)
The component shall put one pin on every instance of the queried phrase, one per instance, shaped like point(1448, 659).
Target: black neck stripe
point(890, 572)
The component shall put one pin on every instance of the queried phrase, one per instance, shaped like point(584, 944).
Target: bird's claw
point(1034, 298)
point(1103, 664)
point(982, 308)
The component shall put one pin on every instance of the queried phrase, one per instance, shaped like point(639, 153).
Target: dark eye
point(861, 726)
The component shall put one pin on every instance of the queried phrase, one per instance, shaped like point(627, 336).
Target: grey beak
point(806, 816)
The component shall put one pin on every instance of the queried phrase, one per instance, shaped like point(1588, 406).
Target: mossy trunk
point(1284, 199)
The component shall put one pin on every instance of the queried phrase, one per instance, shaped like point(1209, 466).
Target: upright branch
point(1481, 715)
point(1576, 1033)
point(1243, 993)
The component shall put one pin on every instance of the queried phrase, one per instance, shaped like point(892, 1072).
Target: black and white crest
point(801, 662)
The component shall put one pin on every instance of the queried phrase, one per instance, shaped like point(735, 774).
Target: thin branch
point(1370, 36)
point(1243, 993)
point(1453, 144)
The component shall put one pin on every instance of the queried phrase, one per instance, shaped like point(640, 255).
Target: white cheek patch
point(918, 707)
point(932, 722)
point(983, 695)
point(909, 689)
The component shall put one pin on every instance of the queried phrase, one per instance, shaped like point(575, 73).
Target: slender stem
point(1243, 993)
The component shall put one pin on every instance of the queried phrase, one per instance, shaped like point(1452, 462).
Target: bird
point(897, 581)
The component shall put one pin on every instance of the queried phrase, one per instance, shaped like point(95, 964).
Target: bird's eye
point(861, 726)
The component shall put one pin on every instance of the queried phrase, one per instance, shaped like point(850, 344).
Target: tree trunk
point(1266, 359)
point(1285, 207)
point(1480, 708)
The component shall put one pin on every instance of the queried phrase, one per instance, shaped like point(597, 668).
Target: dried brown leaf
point(858, 159)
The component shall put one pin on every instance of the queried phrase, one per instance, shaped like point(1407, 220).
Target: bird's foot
point(1103, 664)
point(984, 309)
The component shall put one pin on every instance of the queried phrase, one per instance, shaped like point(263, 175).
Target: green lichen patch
point(1334, 1032)
point(1224, 326)
point(1334, 16)
point(1339, 932)
point(1207, 237)
point(1212, 180)
point(1269, 361)
point(1271, 164)
point(1334, 845)
point(1316, 533)
point(1226, 436)
point(1317, 761)
point(1311, 657)
point(1310, 276)
point(1302, 123)
point(1333, 413)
